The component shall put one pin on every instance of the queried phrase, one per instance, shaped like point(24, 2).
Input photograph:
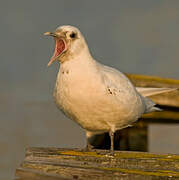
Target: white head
point(69, 43)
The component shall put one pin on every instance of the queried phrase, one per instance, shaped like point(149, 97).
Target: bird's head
point(69, 42)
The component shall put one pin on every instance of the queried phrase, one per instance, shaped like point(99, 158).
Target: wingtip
point(158, 109)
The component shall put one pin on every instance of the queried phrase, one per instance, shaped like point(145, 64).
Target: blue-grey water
point(134, 36)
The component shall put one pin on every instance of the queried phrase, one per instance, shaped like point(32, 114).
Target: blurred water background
point(138, 36)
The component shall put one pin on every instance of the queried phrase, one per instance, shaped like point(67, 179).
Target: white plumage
point(99, 98)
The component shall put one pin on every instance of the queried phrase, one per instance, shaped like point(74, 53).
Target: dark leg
point(111, 134)
point(89, 138)
point(89, 147)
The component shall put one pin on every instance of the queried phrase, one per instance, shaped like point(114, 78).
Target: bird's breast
point(84, 98)
point(80, 96)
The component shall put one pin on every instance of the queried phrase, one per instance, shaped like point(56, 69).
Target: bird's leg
point(89, 137)
point(89, 147)
point(111, 134)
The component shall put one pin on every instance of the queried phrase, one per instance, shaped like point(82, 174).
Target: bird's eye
point(72, 35)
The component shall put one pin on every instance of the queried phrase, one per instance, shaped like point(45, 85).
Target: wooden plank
point(152, 81)
point(165, 116)
point(26, 174)
point(100, 164)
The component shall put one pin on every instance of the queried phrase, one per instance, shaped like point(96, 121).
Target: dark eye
point(72, 35)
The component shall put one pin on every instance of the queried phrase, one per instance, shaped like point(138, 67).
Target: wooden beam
point(78, 164)
point(165, 116)
point(152, 81)
point(30, 174)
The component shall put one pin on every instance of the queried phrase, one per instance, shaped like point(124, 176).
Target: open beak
point(60, 46)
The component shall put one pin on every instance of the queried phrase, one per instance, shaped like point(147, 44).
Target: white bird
point(99, 98)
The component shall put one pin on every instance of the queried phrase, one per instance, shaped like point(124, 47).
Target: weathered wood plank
point(165, 116)
point(99, 164)
point(26, 174)
point(152, 81)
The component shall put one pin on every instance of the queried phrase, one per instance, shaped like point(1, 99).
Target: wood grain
point(99, 164)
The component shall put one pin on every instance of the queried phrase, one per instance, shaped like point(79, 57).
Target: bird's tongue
point(59, 48)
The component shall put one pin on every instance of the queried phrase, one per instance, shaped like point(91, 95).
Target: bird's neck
point(81, 51)
point(80, 59)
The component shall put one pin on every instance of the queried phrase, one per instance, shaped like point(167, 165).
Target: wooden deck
point(56, 163)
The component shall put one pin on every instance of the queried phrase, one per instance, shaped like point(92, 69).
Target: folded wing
point(148, 91)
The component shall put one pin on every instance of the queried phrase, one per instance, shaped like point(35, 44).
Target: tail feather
point(150, 105)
